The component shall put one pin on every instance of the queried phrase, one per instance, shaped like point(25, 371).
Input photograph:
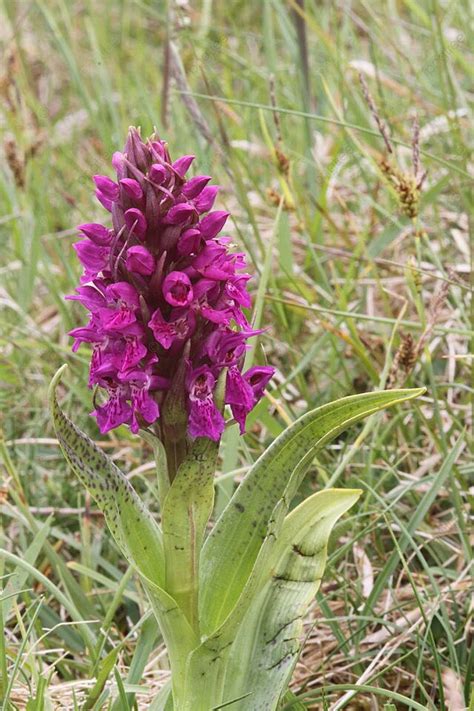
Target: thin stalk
point(323, 119)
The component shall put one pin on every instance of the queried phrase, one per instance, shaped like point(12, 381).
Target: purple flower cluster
point(165, 297)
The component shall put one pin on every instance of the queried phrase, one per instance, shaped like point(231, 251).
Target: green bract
point(230, 606)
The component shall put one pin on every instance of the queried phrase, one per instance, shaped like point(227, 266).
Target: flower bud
point(179, 214)
point(140, 260)
point(181, 165)
point(97, 233)
point(107, 187)
point(195, 186)
point(136, 222)
point(212, 224)
point(132, 188)
point(157, 173)
point(177, 289)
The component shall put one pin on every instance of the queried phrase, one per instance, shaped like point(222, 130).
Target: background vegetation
point(362, 281)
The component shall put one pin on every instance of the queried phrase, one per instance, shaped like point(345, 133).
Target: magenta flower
point(177, 289)
point(205, 420)
point(140, 260)
point(165, 297)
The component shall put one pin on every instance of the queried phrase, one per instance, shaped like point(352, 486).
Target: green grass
point(342, 278)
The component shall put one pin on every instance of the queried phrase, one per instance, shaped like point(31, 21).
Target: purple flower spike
point(165, 296)
point(140, 260)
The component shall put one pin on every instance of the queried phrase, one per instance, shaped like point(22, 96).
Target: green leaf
point(177, 633)
point(226, 704)
point(136, 532)
point(292, 702)
point(206, 666)
point(146, 642)
point(122, 697)
point(164, 699)
point(232, 547)
point(207, 679)
point(269, 639)
point(415, 521)
point(47, 583)
point(159, 454)
point(186, 511)
point(20, 577)
point(105, 667)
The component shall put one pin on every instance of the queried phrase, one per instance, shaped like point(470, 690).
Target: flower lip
point(179, 326)
point(177, 289)
point(205, 420)
point(115, 412)
point(202, 383)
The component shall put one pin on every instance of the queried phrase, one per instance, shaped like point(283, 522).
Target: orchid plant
point(166, 298)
